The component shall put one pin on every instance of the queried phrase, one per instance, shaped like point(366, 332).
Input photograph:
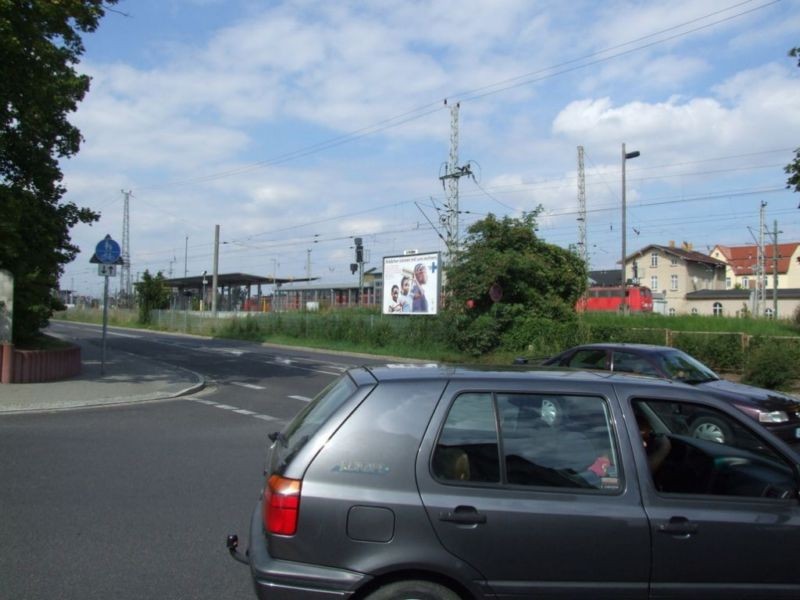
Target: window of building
point(674, 261)
point(745, 282)
point(717, 308)
point(671, 312)
point(654, 282)
point(673, 282)
point(768, 313)
point(727, 283)
point(694, 311)
point(654, 259)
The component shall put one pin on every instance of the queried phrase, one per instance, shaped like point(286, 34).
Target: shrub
point(771, 365)
point(477, 336)
point(719, 351)
point(543, 337)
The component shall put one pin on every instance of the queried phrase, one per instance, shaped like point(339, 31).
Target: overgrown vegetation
point(772, 363)
point(507, 279)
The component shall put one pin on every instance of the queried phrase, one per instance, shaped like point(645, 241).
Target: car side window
point(697, 449)
point(588, 359)
point(468, 447)
point(554, 441)
point(627, 362)
point(558, 441)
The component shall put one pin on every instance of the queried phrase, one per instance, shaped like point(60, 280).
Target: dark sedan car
point(780, 413)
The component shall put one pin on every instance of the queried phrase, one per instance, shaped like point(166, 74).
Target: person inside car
point(657, 446)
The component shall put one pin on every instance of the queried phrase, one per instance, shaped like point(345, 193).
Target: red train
point(638, 298)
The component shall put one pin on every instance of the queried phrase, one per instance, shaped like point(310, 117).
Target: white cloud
point(753, 110)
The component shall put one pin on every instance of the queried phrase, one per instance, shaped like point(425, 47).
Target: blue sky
point(299, 125)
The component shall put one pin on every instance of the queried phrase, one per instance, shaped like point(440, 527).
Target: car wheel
point(413, 590)
point(706, 427)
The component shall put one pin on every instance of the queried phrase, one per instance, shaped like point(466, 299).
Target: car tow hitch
point(233, 547)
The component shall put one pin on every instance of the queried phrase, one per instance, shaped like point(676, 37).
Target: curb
point(111, 401)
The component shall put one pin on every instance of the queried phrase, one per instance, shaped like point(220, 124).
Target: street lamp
point(625, 156)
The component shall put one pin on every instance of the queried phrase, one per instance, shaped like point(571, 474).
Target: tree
point(505, 274)
point(153, 295)
point(793, 168)
point(40, 43)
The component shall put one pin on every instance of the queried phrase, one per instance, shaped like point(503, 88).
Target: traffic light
point(359, 250)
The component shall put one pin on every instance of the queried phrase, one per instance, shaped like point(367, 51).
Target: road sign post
point(107, 255)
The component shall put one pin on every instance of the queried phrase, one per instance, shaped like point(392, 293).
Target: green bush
point(477, 336)
point(771, 365)
point(539, 336)
point(722, 352)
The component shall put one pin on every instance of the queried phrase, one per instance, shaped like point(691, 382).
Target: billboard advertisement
point(411, 284)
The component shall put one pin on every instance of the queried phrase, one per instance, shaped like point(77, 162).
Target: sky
point(297, 126)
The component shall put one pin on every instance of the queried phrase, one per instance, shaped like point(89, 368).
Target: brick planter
point(35, 366)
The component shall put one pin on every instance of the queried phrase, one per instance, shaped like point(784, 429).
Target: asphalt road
point(135, 502)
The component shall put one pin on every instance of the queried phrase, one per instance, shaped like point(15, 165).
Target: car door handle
point(679, 527)
point(463, 515)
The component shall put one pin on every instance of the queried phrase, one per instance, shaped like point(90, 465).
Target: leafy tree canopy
point(40, 44)
point(793, 168)
point(153, 295)
point(505, 275)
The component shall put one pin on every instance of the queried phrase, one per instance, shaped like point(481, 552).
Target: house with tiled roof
point(741, 262)
point(672, 272)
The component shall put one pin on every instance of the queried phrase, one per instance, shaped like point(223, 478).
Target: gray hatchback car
point(430, 482)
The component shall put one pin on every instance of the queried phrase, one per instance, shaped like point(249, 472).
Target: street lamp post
point(625, 156)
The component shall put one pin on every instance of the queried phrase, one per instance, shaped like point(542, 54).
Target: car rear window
point(313, 416)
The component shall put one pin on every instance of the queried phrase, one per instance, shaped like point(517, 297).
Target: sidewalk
point(128, 378)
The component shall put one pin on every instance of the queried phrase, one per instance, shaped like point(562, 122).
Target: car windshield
point(682, 367)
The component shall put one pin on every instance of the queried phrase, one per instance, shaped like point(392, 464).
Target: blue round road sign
point(107, 251)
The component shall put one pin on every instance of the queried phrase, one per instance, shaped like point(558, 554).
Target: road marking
point(127, 335)
point(237, 410)
point(225, 350)
point(251, 386)
point(303, 398)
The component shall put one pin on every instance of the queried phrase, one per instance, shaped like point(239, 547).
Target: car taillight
point(281, 505)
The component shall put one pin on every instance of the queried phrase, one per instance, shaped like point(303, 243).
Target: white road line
point(303, 398)
point(127, 335)
point(251, 386)
point(240, 411)
point(225, 350)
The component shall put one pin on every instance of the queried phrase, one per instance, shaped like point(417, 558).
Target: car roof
point(406, 372)
point(623, 345)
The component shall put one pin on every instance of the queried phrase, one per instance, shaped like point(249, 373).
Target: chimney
point(672, 243)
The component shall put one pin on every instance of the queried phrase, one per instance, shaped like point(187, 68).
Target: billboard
point(411, 284)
